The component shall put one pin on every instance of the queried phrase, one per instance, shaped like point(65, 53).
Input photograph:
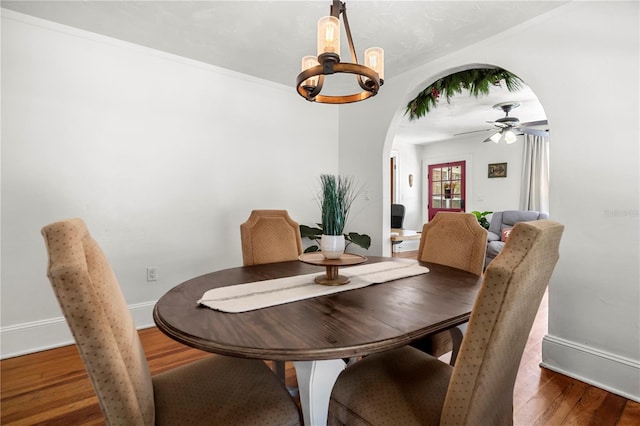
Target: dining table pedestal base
point(315, 382)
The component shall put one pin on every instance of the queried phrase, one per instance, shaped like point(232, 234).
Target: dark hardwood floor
point(52, 387)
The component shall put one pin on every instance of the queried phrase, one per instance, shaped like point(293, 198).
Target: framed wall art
point(497, 170)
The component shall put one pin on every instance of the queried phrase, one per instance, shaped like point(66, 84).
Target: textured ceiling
point(267, 39)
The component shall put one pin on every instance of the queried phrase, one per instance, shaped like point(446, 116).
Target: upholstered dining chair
point(270, 236)
point(214, 390)
point(457, 240)
point(409, 387)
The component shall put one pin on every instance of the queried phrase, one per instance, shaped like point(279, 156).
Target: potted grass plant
point(335, 198)
point(337, 194)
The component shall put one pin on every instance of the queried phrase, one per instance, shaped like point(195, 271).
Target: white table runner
point(261, 294)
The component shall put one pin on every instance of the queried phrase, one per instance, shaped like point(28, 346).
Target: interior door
point(446, 187)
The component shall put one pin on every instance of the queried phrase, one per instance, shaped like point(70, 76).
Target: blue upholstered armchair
point(500, 226)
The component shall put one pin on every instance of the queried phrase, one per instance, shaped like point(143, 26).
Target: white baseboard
point(607, 371)
point(36, 336)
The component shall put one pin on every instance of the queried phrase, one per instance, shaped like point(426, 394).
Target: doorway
point(446, 187)
point(393, 168)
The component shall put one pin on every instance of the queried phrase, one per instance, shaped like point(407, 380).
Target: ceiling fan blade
point(535, 132)
point(472, 131)
point(535, 123)
point(500, 125)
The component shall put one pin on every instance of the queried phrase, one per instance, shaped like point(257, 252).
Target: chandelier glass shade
point(369, 76)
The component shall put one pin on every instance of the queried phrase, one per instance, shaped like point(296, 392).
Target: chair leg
point(279, 370)
point(279, 367)
point(456, 339)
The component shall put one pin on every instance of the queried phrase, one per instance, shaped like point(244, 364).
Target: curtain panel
point(535, 174)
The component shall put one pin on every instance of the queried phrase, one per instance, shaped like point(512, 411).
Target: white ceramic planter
point(332, 246)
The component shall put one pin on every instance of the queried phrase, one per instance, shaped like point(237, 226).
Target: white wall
point(581, 60)
point(163, 157)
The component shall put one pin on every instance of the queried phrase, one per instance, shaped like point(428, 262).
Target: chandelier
point(314, 69)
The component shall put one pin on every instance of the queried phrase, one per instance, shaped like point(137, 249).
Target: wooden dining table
point(319, 333)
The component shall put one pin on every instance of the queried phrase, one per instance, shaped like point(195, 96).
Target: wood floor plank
point(554, 401)
point(611, 408)
point(630, 415)
point(75, 411)
point(52, 387)
point(597, 407)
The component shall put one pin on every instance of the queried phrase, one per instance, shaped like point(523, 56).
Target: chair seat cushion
point(403, 386)
point(221, 390)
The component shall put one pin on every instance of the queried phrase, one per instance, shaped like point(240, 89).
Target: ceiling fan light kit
point(495, 138)
point(507, 124)
point(510, 137)
point(369, 76)
point(507, 135)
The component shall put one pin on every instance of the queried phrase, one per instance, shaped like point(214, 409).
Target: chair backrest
point(481, 386)
point(454, 239)
point(99, 319)
point(508, 218)
point(397, 216)
point(270, 236)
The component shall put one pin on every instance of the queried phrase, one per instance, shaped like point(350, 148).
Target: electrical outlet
point(152, 273)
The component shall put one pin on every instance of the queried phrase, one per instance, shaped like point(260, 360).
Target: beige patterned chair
point(408, 387)
point(215, 390)
point(456, 240)
point(270, 236)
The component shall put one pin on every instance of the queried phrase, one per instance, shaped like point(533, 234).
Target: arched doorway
point(456, 132)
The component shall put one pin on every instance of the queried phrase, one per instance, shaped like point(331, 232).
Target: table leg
point(315, 381)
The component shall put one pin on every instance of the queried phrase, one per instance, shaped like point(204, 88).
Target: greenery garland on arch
point(477, 80)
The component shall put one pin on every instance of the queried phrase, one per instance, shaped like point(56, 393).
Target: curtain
point(534, 194)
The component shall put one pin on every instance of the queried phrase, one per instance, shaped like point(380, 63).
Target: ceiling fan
point(507, 125)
